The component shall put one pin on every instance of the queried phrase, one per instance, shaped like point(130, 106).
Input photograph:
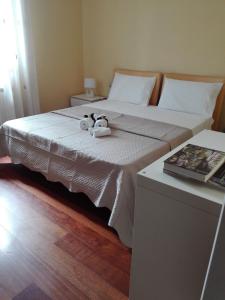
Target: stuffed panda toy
point(101, 121)
point(93, 121)
point(88, 121)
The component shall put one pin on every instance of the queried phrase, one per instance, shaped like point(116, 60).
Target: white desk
point(174, 228)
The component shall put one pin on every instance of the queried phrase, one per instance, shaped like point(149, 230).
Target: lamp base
point(90, 93)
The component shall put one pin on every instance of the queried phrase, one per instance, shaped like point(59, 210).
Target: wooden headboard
point(155, 93)
point(220, 99)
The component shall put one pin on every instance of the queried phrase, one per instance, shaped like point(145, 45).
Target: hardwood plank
point(85, 233)
point(106, 250)
point(10, 281)
point(24, 205)
point(32, 292)
point(57, 241)
point(117, 278)
point(94, 260)
point(73, 246)
point(74, 205)
point(20, 217)
point(63, 264)
point(76, 273)
point(19, 268)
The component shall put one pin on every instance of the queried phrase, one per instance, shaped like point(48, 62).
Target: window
point(11, 38)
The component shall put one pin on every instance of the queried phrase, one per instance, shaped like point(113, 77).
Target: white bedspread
point(104, 169)
point(194, 122)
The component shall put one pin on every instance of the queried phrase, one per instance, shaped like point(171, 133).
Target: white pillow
point(133, 89)
point(190, 96)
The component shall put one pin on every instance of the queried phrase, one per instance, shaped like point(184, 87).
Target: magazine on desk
point(200, 163)
point(218, 179)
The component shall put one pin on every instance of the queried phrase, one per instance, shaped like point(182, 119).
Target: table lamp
point(89, 85)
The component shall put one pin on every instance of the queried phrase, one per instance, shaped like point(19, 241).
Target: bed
point(105, 168)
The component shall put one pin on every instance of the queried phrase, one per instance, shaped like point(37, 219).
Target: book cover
point(219, 177)
point(195, 161)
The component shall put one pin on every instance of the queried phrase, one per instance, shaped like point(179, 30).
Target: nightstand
point(84, 99)
point(175, 223)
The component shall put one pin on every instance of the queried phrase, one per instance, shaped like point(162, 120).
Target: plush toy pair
point(93, 121)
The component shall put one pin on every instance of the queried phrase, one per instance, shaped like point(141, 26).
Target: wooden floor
point(55, 244)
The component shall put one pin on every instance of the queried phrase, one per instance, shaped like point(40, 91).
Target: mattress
point(104, 168)
point(194, 122)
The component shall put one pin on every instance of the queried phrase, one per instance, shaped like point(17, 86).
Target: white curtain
point(18, 80)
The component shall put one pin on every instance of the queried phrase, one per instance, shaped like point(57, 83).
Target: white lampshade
point(89, 83)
